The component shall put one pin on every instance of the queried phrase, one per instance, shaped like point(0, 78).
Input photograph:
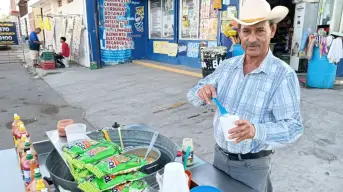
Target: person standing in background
point(34, 46)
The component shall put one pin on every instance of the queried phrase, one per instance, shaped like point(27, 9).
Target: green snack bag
point(136, 186)
point(116, 165)
point(97, 153)
point(108, 182)
point(79, 147)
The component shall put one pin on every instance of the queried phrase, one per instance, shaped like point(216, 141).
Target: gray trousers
point(255, 173)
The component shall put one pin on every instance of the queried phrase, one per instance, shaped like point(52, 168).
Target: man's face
point(255, 39)
point(38, 31)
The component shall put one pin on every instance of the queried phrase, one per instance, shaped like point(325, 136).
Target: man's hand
point(206, 93)
point(244, 130)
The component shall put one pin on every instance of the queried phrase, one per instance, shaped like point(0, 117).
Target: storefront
point(172, 31)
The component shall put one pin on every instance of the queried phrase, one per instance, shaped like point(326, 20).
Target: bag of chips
point(116, 165)
point(77, 148)
point(136, 186)
point(100, 151)
point(94, 184)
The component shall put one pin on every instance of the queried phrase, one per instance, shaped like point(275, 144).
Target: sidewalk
point(133, 93)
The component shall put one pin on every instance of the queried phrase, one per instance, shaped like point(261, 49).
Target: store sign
point(8, 33)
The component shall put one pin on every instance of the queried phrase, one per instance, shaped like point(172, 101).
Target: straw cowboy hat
point(255, 11)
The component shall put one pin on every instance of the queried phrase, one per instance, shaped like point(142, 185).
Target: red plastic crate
point(48, 65)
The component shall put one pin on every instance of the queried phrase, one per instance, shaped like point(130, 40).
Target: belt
point(238, 157)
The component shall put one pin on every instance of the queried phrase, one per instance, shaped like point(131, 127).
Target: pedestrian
point(34, 46)
point(64, 54)
point(259, 88)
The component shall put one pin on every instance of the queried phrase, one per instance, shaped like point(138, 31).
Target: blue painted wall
point(340, 69)
point(93, 41)
point(184, 60)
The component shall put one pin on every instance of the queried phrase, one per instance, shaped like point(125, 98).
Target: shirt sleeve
point(286, 110)
point(33, 37)
point(211, 79)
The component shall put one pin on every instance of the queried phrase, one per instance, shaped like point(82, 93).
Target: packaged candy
point(136, 186)
point(77, 148)
point(116, 165)
point(94, 184)
point(100, 151)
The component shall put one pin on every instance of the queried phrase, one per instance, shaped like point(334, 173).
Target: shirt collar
point(264, 67)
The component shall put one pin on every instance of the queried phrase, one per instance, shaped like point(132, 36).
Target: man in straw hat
point(259, 88)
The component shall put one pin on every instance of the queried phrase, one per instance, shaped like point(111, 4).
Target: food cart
point(53, 166)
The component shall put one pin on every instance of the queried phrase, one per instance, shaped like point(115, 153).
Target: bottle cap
point(40, 185)
point(22, 128)
point(179, 154)
point(23, 138)
point(37, 173)
point(29, 155)
point(27, 143)
point(19, 123)
point(16, 117)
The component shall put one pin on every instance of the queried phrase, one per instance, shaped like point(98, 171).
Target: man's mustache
point(252, 44)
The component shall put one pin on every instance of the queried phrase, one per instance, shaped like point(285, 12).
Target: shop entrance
point(281, 43)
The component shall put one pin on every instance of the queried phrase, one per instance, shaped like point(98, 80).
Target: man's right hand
point(206, 93)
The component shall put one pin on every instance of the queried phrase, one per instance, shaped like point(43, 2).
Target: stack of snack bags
point(100, 166)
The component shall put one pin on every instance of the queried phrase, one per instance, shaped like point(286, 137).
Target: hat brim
point(277, 14)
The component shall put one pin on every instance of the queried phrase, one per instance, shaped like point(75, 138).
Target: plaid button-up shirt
point(269, 97)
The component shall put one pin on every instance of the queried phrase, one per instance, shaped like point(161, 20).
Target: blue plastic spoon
point(221, 108)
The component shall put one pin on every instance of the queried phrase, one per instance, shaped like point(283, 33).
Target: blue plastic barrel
point(237, 50)
point(320, 73)
point(205, 189)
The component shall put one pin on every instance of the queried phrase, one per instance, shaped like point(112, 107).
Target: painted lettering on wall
point(115, 31)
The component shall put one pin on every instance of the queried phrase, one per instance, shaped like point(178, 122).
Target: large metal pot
point(60, 173)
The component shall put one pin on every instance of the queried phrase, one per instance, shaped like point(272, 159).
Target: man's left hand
point(244, 130)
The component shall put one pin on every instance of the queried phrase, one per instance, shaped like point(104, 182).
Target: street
point(130, 94)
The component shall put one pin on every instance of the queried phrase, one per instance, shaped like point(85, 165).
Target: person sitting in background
point(34, 46)
point(62, 55)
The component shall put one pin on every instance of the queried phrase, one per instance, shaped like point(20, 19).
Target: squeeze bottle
point(16, 120)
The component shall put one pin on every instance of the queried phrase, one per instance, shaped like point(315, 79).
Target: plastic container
point(22, 131)
point(205, 189)
point(22, 155)
point(37, 180)
point(61, 125)
point(29, 165)
point(48, 65)
point(188, 142)
point(320, 73)
point(226, 123)
point(174, 178)
point(76, 131)
point(16, 120)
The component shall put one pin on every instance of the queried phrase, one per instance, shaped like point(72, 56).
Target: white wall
point(78, 7)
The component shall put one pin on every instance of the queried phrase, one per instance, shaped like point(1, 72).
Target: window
point(161, 19)
point(198, 20)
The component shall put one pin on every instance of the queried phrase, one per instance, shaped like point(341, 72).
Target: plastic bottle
point(28, 147)
point(15, 140)
point(21, 144)
point(21, 131)
point(16, 120)
point(187, 142)
point(29, 165)
point(37, 181)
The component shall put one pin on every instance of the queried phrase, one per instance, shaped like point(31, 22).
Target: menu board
point(8, 33)
point(155, 19)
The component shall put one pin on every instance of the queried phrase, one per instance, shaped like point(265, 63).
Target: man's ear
point(273, 28)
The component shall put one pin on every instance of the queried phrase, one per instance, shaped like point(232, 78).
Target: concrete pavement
point(137, 94)
point(39, 105)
